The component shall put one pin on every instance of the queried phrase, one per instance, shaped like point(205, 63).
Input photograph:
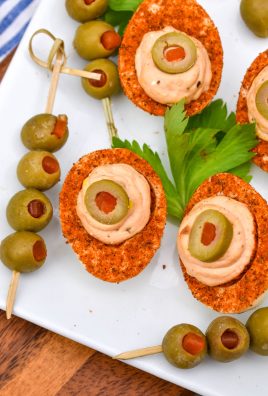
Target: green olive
point(184, 346)
point(174, 53)
point(108, 84)
point(255, 16)
point(227, 338)
point(29, 210)
point(45, 132)
point(86, 10)
point(262, 100)
point(107, 202)
point(38, 169)
point(96, 39)
point(23, 251)
point(257, 325)
point(210, 236)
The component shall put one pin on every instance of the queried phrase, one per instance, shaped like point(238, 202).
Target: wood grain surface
point(37, 362)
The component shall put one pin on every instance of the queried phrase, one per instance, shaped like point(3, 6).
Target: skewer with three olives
point(226, 339)
point(29, 210)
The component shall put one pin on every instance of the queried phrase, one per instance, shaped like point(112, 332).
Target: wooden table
point(37, 362)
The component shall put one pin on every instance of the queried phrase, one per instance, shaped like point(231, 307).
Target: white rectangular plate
point(62, 296)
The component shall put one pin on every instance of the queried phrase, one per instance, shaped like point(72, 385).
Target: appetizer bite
point(23, 251)
point(170, 50)
point(252, 105)
point(96, 39)
point(228, 339)
point(255, 15)
point(45, 132)
point(223, 244)
point(184, 346)
point(85, 10)
point(38, 169)
point(113, 213)
point(29, 210)
point(109, 83)
point(257, 326)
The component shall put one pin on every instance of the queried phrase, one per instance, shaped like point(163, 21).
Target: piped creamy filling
point(168, 88)
point(253, 113)
point(138, 191)
point(240, 251)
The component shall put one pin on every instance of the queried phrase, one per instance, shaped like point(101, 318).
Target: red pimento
point(174, 54)
point(193, 343)
point(105, 201)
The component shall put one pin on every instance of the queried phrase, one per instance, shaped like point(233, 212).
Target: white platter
point(62, 296)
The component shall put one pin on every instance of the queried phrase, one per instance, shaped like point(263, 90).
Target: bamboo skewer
point(139, 353)
point(54, 83)
point(58, 46)
point(57, 52)
point(80, 73)
point(12, 293)
point(106, 103)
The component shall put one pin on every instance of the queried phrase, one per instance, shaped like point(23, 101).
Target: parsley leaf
point(215, 115)
point(126, 5)
point(198, 147)
point(119, 13)
point(196, 152)
point(242, 171)
point(115, 18)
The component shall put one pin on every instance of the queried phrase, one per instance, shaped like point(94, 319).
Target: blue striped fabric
point(14, 18)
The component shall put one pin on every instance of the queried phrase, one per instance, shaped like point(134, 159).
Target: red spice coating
point(240, 295)
point(112, 263)
point(261, 150)
point(187, 16)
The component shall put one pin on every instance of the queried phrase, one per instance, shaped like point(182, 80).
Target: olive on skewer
point(228, 339)
point(29, 210)
point(257, 326)
point(22, 251)
point(109, 83)
point(85, 10)
point(96, 39)
point(107, 86)
point(38, 169)
point(184, 346)
point(45, 132)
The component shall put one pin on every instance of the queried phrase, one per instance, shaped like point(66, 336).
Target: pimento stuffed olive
point(45, 132)
point(108, 84)
point(38, 169)
point(96, 39)
point(184, 346)
point(29, 210)
point(86, 10)
point(23, 251)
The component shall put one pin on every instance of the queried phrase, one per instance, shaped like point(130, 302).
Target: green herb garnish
point(198, 147)
point(126, 5)
point(119, 13)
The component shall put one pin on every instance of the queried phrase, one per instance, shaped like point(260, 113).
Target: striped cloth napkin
point(14, 18)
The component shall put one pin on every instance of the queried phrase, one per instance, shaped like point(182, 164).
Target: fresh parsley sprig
point(198, 147)
point(119, 13)
point(126, 5)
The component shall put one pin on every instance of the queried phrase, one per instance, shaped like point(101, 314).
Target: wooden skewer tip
point(139, 353)
point(12, 293)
